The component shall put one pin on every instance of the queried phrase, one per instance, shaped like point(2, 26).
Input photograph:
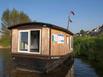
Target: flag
point(70, 20)
point(72, 12)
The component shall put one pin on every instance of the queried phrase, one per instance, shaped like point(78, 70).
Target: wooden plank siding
point(44, 38)
point(47, 47)
point(14, 40)
point(45, 41)
point(59, 49)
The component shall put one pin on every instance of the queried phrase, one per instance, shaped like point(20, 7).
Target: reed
point(90, 48)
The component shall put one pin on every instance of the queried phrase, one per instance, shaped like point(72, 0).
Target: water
point(81, 69)
point(1, 66)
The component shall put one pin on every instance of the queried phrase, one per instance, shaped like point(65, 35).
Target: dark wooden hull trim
point(42, 64)
point(39, 56)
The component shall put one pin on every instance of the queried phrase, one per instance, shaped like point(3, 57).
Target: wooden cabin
point(40, 40)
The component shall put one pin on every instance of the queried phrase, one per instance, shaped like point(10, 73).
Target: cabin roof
point(43, 25)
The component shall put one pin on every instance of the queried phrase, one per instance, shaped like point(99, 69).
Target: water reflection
point(1, 65)
point(4, 57)
point(19, 73)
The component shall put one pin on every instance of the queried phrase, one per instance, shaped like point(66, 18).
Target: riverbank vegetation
point(4, 42)
point(90, 48)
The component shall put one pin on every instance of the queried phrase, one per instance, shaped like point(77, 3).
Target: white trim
point(19, 40)
point(39, 41)
point(71, 43)
point(67, 40)
point(29, 41)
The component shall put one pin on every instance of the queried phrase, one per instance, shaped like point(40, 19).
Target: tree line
point(9, 18)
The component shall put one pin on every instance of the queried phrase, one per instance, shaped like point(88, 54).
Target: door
point(34, 41)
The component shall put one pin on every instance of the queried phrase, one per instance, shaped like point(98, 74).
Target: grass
point(5, 42)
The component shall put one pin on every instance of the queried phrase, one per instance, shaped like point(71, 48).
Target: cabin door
point(34, 41)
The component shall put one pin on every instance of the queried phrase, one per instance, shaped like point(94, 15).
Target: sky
point(88, 13)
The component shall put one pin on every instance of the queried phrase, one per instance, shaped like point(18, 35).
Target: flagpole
point(68, 22)
point(69, 19)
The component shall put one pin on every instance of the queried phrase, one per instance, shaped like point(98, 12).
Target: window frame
point(29, 43)
point(71, 42)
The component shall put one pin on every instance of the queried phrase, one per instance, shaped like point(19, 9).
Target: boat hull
point(43, 64)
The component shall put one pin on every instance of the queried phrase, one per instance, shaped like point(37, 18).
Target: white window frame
point(39, 40)
point(71, 43)
point(19, 39)
point(67, 40)
point(29, 31)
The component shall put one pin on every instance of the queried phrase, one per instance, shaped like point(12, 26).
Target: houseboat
point(41, 47)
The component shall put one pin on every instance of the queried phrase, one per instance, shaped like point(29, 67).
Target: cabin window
point(29, 41)
point(67, 40)
point(34, 45)
point(71, 42)
point(23, 41)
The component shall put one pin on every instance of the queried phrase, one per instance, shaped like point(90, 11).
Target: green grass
point(5, 42)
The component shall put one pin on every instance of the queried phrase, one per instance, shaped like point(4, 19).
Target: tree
point(82, 32)
point(12, 17)
point(5, 21)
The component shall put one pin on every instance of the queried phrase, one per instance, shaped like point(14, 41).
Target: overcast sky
point(88, 13)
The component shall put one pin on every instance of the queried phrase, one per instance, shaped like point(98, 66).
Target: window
point(71, 42)
point(23, 41)
point(34, 45)
point(67, 40)
point(29, 41)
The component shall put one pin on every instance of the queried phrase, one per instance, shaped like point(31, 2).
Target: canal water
point(81, 69)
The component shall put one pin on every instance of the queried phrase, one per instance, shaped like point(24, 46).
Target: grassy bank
point(4, 42)
point(90, 48)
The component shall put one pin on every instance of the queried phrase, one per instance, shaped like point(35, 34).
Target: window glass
point(34, 46)
point(23, 41)
point(71, 40)
point(67, 40)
